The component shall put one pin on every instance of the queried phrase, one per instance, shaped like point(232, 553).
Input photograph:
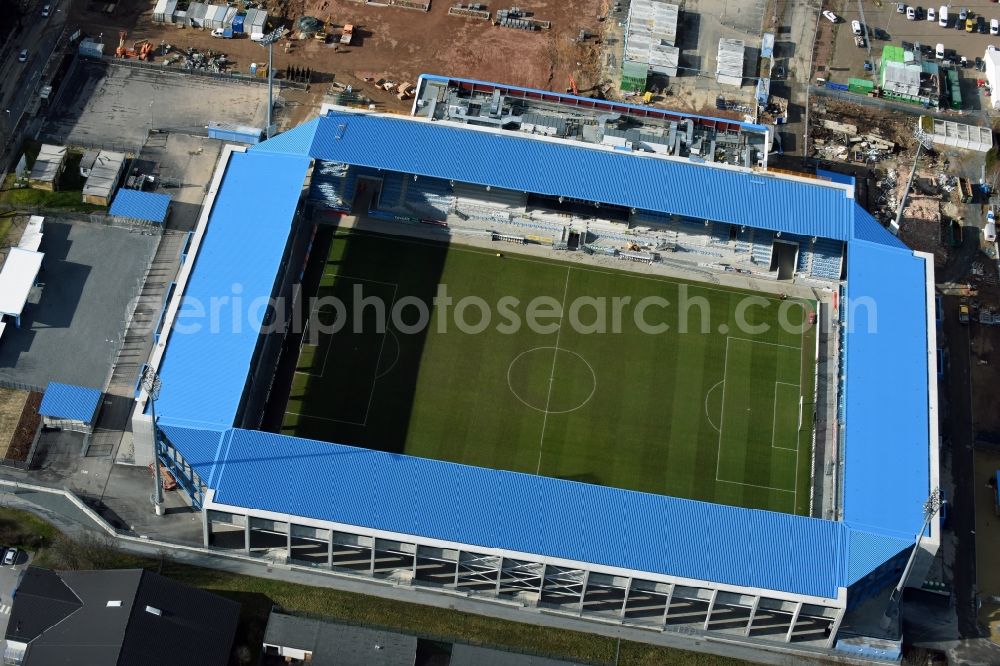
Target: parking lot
point(848, 60)
point(10, 575)
point(115, 105)
point(70, 326)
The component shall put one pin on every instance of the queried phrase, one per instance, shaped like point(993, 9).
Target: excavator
point(141, 49)
point(120, 51)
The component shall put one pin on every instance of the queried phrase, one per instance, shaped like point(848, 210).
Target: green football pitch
point(564, 370)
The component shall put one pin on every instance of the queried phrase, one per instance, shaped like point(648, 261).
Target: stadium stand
point(508, 528)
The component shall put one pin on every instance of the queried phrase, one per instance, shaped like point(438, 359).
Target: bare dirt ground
point(11, 405)
point(393, 43)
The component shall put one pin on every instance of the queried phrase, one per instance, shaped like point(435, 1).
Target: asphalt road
point(20, 79)
point(957, 431)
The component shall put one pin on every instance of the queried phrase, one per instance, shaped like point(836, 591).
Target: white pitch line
point(774, 422)
point(357, 279)
point(324, 418)
point(740, 483)
point(722, 409)
point(764, 342)
point(552, 372)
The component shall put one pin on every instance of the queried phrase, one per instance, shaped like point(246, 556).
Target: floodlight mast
point(151, 384)
point(931, 507)
point(923, 142)
point(268, 41)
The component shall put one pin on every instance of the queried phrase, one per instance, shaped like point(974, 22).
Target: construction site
point(347, 46)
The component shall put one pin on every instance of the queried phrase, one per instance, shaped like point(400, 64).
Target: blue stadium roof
point(886, 477)
point(573, 169)
point(137, 205)
point(208, 356)
point(550, 517)
point(70, 403)
point(886, 374)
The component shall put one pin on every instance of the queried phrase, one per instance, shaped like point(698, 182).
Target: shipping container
point(217, 17)
point(259, 21)
point(227, 22)
point(196, 15)
point(159, 11)
point(168, 13)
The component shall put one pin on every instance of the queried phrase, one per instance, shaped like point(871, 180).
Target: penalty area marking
point(718, 459)
point(378, 361)
point(707, 395)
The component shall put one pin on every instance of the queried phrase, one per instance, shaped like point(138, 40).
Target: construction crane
point(572, 85)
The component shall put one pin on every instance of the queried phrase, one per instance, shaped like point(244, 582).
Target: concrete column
point(413, 567)
point(458, 560)
point(206, 528)
point(711, 606)
point(329, 550)
point(499, 577)
point(583, 588)
point(371, 564)
point(288, 541)
point(666, 607)
point(795, 618)
point(541, 581)
point(835, 627)
point(246, 535)
point(753, 614)
point(628, 589)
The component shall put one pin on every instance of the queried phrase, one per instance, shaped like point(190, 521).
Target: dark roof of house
point(340, 644)
point(92, 633)
point(99, 618)
point(469, 655)
point(42, 600)
point(194, 626)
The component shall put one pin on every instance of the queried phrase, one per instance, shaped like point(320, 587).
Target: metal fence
point(127, 302)
point(226, 77)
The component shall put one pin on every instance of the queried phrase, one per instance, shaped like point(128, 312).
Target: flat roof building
point(48, 166)
point(104, 177)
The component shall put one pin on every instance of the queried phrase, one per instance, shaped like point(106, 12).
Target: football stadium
point(565, 354)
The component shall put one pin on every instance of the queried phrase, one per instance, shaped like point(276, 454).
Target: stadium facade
point(605, 553)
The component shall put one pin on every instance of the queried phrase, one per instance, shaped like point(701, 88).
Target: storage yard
point(394, 43)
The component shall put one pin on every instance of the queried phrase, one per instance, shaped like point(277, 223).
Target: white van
point(994, 27)
point(943, 16)
point(856, 28)
point(257, 37)
point(939, 52)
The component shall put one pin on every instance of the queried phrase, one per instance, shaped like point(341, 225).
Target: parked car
point(980, 65)
point(900, 7)
point(981, 25)
point(830, 16)
point(911, 13)
point(45, 11)
point(856, 27)
point(939, 52)
point(931, 14)
point(990, 232)
point(10, 557)
point(882, 35)
point(943, 16)
point(994, 27)
point(23, 56)
point(970, 25)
